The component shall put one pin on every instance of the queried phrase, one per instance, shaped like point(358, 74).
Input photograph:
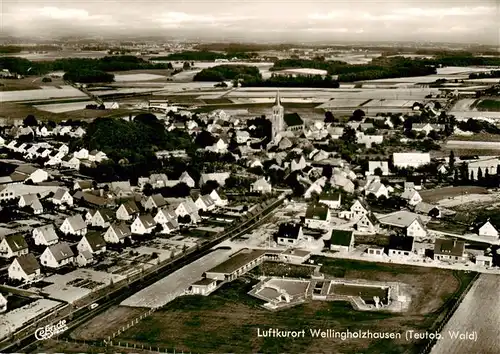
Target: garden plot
point(41, 94)
point(174, 285)
point(15, 319)
point(137, 77)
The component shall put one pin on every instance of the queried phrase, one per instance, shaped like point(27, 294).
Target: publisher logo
point(50, 331)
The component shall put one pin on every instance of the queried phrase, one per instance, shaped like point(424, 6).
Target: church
point(282, 122)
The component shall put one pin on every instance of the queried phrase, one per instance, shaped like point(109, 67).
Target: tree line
point(206, 56)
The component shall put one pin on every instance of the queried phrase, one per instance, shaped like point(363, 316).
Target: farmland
point(489, 105)
point(478, 312)
point(229, 318)
point(435, 195)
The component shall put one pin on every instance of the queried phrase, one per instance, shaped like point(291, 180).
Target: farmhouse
point(411, 159)
point(74, 225)
point(45, 235)
point(57, 255)
point(409, 222)
point(13, 245)
point(117, 233)
point(400, 246)
point(237, 265)
point(25, 268)
point(449, 250)
point(317, 216)
point(342, 241)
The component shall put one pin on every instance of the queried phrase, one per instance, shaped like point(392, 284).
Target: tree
point(378, 171)
point(357, 115)
point(349, 135)
point(479, 174)
point(148, 190)
point(186, 66)
point(205, 139)
point(329, 118)
point(30, 121)
point(209, 186)
point(451, 161)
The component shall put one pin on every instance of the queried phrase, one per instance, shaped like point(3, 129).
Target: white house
point(205, 203)
point(366, 224)
point(219, 177)
point(488, 231)
point(97, 156)
point(62, 196)
point(333, 200)
point(154, 201)
point(400, 246)
point(13, 245)
point(412, 196)
point(449, 250)
point(45, 235)
point(143, 224)
point(82, 154)
point(376, 188)
point(57, 255)
point(203, 286)
point(3, 304)
point(74, 225)
point(409, 222)
point(218, 199)
point(39, 176)
point(317, 216)
point(356, 211)
point(92, 242)
point(25, 268)
point(117, 233)
point(261, 186)
point(85, 258)
point(31, 200)
point(186, 178)
point(164, 216)
point(411, 159)
point(127, 210)
point(298, 163)
point(102, 218)
point(342, 241)
point(289, 234)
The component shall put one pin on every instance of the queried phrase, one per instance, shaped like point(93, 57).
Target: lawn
point(489, 105)
point(437, 194)
point(198, 233)
point(284, 270)
point(227, 320)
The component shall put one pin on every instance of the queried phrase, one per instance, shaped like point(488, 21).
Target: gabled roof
point(48, 232)
point(26, 169)
point(107, 215)
point(76, 222)
point(61, 251)
point(207, 200)
point(147, 220)
point(400, 243)
point(131, 207)
point(401, 218)
point(28, 263)
point(449, 247)
point(59, 194)
point(95, 240)
point(16, 242)
point(292, 119)
point(121, 230)
point(330, 196)
point(158, 200)
point(317, 211)
point(341, 237)
point(289, 230)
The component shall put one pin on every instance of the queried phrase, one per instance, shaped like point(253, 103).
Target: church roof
point(277, 101)
point(293, 119)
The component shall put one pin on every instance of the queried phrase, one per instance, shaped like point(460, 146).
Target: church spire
point(277, 102)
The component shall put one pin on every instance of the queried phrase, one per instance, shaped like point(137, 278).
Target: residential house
point(82, 154)
point(366, 224)
point(186, 178)
point(117, 233)
point(58, 255)
point(333, 199)
point(317, 216)
point(37, 175)
point(7, 193)
point(449, 250)
point(71, 162)
point(158, 180)
point(219, 177)
point(155, 201)
point(261, 185)
point(85, 185)
point(102, 218)
point(340, 181)
point(342, 241)
point(411, 196)
point(92, 242)
point(74, 225)
point(298, 163)
point(409, 222)
point(31, 200)
point(400, 246)
point(62, 196)
point(377, 188)
point(143, 224)
point(165, 215)
point(358, 208)
point(488, 231)
point(45, 235)
point(127, 210)
point(13, 245)
point(426, 127)
point(85, 258)
point(376, 251)
point(219, 201)
point(205, 203)
point(25, 268)
point(97, 156)
point(428, 209)
point(289, 234)
point(484, 261)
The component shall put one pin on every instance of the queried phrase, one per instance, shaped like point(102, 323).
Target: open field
point(450, 70)
point(483, 137)
point(435, 195)
point(137, 77)
point(40, 94)
point(489, 105)
point(61, 346)
point(473, 144)
point(228, 319)
point(59, 55)
point(463, 104)
point(66, 107)
point(479, 312)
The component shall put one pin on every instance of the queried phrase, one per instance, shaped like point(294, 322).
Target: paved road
point(479, 312)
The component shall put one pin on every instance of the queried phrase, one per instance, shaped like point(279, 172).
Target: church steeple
point(277, 101)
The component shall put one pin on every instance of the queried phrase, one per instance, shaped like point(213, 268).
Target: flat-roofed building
point(237, 265)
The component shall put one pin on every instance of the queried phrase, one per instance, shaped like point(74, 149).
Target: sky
point(461, 21)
